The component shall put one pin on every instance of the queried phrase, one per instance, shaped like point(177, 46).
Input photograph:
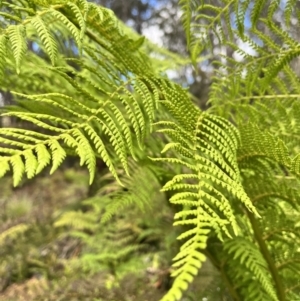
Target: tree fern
point(228, 167)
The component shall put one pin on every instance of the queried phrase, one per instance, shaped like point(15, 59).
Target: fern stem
point(267, 256)
point(266, 97)
point(232, 291)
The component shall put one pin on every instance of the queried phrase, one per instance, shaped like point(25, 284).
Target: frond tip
point(188, 262)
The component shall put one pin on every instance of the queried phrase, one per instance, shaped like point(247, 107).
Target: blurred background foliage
point(53, 244)
point(55, 247)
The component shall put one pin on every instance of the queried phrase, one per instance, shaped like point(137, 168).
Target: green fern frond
point(16, 35)
point(11, 17)
point(77, 220)
point(250, 257)
point(3, 53)
point(204, 192)
point(30, 163)
point(86, 153)
point(46, 19)
point(256, 143)
point(288, 10)
point(257, 10)
point(188, 263)
point(100, 147)
point(187, 9)
point(73, 29)
point(222, 169)
point(109, 116)
point(58, 154)
point(18, 169)
point(274, 188)
point(240, 10)
point(201, 18)
point(13, 232)
point(266, 72)
point(46, 37)
point(284, 58)
point(80, 17)
point(43, 157)
point(139, 195)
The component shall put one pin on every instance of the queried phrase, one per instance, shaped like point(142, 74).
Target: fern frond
point(80, 16)
point(289, 8)
point(86, 153)
point(46, 37)
point(115, 99)
point(13, 232)
point(240, 10)
point(58, 154)
point(3, 51)
point(204, 192)
point(200, 19)
point(274, 188)
point(102, 103)
point(16, 35)
point(77, 220)
point(250, 257)
point(256, 143)
point(186, 7)
point(43, 157)
point(256, 11)
point(139, 195)
point(69, 25)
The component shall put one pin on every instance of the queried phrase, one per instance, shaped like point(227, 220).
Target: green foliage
point(13, 232)
point(123, 232)
point(231, 173)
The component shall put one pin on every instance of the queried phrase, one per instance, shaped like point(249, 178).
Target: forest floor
point(33, 262)
point(35, 255)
